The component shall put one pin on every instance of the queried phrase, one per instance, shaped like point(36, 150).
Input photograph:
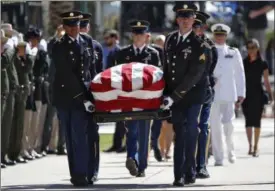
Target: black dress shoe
point(202, 173)
point(26, 155)
point(112, 149)
point(20, 159)
point(7, 161)
point(178, 183)
point(79, 181)
point(189, 180)
point(95, 178)
point(35, 154)
point(141, 174)
point(43, 153)
point(132, 166)
point(3, 165)
point(121, 150)
point(157, 155)
point(62, 151)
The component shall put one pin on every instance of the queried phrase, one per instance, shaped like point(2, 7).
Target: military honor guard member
point(5, 62)
point(7, 59)
point(229, 90)
point(186, 80)
point(73, 58)
point(199, 28)
point(138, 130)
point(93, 127)
point(23, 63)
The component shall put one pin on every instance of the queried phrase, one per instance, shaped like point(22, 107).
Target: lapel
point(82, 44)
point(173, 42)
point(131, 56)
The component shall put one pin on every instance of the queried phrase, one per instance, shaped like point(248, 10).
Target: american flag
point(128, 87)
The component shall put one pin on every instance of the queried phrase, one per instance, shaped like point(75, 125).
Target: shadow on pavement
point(122, 186)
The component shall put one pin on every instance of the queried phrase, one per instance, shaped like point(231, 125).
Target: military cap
point(139, 26)
point(185, 9)
point(85, 20)
point(71, 18)
point(201, 18)
point(220, 29)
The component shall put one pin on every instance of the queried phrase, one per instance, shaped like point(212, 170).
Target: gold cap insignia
point(185, 6)
point(138, 23)
point(71, 14)
point(202, 57)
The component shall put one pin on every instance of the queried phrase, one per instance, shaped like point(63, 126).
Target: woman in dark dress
point(255, 68)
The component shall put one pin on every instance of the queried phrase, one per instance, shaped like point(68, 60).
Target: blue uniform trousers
point(203, 135)
point(94, 154)
point(75, 123)
point(185, 124)
point(155, 132)
point(137, 142)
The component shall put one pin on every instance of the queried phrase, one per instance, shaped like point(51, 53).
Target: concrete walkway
point(247, 173)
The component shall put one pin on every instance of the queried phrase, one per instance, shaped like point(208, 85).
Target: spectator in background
point(256, 20)
point(255, 67)
point(270, 55)
point(110, 43)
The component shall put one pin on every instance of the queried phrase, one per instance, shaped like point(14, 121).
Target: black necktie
point(180, 40)
point(138, 51)
point(76, 43)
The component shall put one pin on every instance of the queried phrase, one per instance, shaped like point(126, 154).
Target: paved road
point(246, 174)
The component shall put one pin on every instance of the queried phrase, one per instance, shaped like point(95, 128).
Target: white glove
point(89, 107)
point(167, 103)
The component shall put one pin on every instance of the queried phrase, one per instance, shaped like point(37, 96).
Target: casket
point(128, 92)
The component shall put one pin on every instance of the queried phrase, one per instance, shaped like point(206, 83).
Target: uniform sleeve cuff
point(176, 96)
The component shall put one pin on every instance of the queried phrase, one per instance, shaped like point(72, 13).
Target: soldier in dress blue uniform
point(186, 82)
point(204, 136)
point(93, 127)
point(138, 130)
point(73, 57)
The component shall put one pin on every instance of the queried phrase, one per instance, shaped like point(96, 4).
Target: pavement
point(247, 173)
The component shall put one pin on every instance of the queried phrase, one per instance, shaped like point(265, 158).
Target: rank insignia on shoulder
point(228, 56)
point(202, 57)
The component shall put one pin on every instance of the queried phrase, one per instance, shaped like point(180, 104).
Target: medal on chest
point(186, 52)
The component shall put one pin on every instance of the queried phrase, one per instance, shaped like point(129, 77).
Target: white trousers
point(221, 117)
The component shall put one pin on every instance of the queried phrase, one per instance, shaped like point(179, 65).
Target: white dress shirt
point(184, 35)
point(140, 48)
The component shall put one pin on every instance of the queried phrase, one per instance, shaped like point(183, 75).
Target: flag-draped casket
point(128, 87)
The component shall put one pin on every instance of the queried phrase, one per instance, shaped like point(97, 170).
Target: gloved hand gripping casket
point(128, 92)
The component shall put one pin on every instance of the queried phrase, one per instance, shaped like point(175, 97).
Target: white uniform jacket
point(230, 76)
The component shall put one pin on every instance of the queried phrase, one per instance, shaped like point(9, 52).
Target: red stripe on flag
point(127, 77)
point(105, 84)
point(148, 76)
point(127, 104)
